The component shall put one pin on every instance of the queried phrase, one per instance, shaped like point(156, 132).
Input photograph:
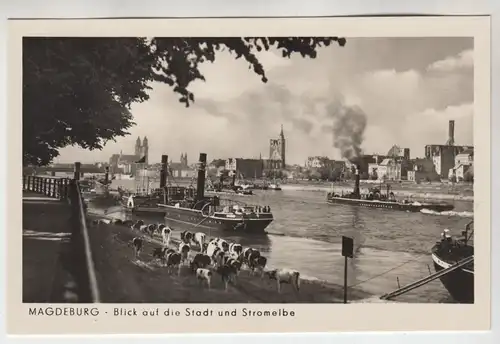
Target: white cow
point(288, 276)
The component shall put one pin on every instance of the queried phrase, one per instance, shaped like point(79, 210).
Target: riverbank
point(123, 279)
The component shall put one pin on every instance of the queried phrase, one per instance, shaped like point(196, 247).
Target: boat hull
point(190, 219)
point(438, 207)
point(459, 283)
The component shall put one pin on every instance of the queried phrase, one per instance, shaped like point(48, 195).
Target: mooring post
point(397, 279)
point(429, 268)
point(76, 174)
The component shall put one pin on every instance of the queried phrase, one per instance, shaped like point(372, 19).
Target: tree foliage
point(78, 91)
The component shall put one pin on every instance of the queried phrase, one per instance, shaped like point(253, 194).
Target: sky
point(385, 90)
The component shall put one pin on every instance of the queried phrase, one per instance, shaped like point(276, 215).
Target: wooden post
point(37, 184)
point(24, 182)
point(399, 285)
point(44, 181)
point(76, 175)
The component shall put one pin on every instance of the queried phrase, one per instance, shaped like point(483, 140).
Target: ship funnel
point(356, 185)
point(163, 171)
point(200, 186)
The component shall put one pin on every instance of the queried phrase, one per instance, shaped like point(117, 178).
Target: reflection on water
point(389, 245)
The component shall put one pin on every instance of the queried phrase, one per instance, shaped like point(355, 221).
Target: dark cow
point(173, 261)
point(258, 263)
point(137, 242)
point(200, 260)
point(186, 237)
point(227, 273)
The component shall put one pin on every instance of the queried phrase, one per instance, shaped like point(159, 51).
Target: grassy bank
point(123, 279)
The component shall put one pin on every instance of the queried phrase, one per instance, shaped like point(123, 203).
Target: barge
point(189, 207)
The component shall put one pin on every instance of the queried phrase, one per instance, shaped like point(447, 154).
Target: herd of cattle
point(216, 255)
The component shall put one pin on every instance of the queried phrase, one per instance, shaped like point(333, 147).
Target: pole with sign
point(347, 252)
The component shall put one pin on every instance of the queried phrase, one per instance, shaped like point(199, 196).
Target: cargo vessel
point(376, 199)
point(189, 207)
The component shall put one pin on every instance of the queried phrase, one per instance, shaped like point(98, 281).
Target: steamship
point(188, 207)
point(375, 199)
point(447, 252)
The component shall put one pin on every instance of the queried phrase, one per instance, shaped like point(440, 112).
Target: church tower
point(138, 147)
point(145, 149)
point(282, 146)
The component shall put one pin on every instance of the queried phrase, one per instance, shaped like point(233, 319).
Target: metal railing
point(48, 186)
point(80, 255)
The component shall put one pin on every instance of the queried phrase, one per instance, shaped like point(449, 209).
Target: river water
point(391, 247)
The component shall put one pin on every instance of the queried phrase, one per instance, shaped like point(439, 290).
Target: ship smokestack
point(451, 133)
point(233, 182)
point(356, 185)
point(163, 171)
point(200, 186)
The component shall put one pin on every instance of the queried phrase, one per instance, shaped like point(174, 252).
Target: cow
point(184, 251)
point(173, 261)
point(200, 260)
point(137, 225)
point(235, 249)
point(250, 254)
point(288, 276)
point(258, 263)
point(232, 262)
point(218, 257)
point(204, 247)
point(199, 239)
point(204, 275)
point(166, 233)
point(144, 229)
point(227, 273)
point(151, 229)
point(186, 237)
point(137, 242)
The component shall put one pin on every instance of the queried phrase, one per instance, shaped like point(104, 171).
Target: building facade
point(387, 169)
point(246, 168)
point(422, 170)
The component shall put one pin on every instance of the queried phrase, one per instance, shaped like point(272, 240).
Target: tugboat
point(450, 250)
point(188, 206)
point(375, 199)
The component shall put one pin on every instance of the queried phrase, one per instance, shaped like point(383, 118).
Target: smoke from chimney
point(451, 133)
point(349, 123)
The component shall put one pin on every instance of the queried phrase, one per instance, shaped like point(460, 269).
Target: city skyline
point(407, 89)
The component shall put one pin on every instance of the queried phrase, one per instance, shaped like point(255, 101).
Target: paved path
point(46, 231)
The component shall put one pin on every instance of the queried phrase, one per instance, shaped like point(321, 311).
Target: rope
point(384, 273)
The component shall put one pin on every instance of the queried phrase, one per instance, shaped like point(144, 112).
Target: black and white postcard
point(249, 175)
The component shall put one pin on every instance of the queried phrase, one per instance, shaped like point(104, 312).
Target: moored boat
point(189, 207)
point(375, 199)
point(447, 252)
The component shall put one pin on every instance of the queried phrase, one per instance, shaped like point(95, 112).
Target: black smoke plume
point(349, 124)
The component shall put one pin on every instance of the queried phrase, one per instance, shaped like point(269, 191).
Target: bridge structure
point(66, 168)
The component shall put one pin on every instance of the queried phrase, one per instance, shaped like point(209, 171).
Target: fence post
point(35, 189)
point(51, 187)
point(44, 182)
point(24, 182)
